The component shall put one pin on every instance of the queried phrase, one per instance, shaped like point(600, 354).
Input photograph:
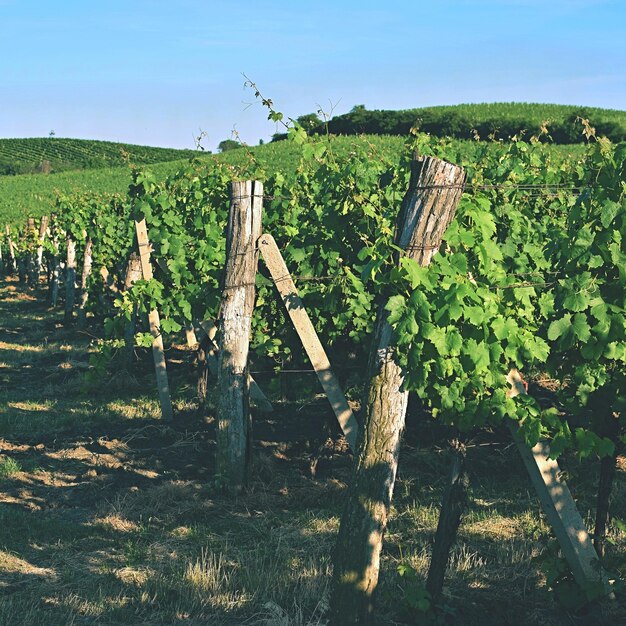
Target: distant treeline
point(502, 121)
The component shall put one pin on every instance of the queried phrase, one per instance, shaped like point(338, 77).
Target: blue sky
point(157, 72)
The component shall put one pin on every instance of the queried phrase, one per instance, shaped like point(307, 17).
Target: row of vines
point(531, 275)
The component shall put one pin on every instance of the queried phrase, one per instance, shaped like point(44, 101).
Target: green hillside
point(34, 194)
point(468, 121)
point(56, 154)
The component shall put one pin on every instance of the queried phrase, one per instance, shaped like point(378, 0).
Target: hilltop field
point(74, 165)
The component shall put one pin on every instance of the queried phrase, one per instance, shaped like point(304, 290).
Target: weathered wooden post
point(54, 263)
point(84, 292)
point(13, 262)
point(452, 508)
point(427, 209)
point(31, 264)
point(557, 502)
point(133, 273)
point(158, 353)
point(70, 280)
point(233, 410)
point(43, 229)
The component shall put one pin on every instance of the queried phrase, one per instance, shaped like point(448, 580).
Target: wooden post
point(160, 366)
point(31, 263)
point(54, 281)
point(232, 409)
point(11, 250)
point(43, 229)
point(70, 280)
point(310, 341)
point(453, 506)
point(190, 335)
point(428, 207)
point(557, 502)
point(84, 292)
point(54, 263)
point(133, 273)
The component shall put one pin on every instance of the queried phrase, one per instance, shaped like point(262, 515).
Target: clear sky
point(157, 72)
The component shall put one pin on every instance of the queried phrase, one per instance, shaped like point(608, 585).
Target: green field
point(34, 194)
point(57, 154)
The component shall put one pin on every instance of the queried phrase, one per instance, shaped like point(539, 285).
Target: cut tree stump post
point(310, 341)
point(232, 410)
point(427, 209)
point(557, 502)
point(158, 353)
point(257, 397)
point(70, 280)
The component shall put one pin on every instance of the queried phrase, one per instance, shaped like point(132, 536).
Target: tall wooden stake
point(160, 366)
point(233, 410)
point(11, 250)
point(70, 280)
point(43, 229)
point(428, 207)
point(84, 279)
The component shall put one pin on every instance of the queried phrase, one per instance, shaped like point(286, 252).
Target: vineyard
point(55, 154)
point(511, 320)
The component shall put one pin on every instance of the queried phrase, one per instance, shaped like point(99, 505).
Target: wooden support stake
point(232, 409)
point(257, 397)
point(11, 250)
point(31, 262)
point(428, 207)
point(84, 279)
point(160, 366)
point(70, 280)
point(43, 229)
point(557, 502)
point(310, 341)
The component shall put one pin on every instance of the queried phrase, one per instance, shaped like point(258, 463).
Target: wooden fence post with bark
point(70, 280)
point(232, 409)
point(427, 209)
point(158, 353)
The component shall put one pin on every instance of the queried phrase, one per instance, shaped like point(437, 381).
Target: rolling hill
point(57, 154)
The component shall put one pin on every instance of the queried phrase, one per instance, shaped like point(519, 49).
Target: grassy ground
point(109, 516)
